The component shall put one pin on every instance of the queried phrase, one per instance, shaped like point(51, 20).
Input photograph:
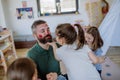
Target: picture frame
point(24, 13)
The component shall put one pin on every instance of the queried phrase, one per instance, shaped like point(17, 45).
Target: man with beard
point(42, 53)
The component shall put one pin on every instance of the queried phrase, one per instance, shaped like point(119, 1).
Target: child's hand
point(53, 44)
point(51, 76)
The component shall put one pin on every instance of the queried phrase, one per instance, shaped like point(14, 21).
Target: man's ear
point(36, 38)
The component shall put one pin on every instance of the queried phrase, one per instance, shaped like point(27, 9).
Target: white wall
point(23, 26)
point(2, 16)
point(19, 27)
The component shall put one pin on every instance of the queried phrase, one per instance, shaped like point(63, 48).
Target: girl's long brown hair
point(97, 42)
point(68, 31)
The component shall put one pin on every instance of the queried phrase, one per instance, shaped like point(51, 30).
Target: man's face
point(43, 33)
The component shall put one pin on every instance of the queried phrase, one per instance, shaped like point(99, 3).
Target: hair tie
point(76, 29)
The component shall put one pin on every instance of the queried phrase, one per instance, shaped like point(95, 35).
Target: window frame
point(57, 12)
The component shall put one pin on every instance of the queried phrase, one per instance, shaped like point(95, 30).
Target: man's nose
point(46, 32)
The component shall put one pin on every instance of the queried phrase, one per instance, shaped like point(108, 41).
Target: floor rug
point(111, 71)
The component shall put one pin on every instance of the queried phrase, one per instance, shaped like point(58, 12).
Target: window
point(50, 7)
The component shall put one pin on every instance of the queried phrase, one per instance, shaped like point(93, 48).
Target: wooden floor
point(21, 52)
point(114, 54)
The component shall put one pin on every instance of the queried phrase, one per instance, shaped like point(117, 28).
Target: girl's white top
point(77, 63)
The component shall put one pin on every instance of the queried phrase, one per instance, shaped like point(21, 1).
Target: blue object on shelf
point(47, 14)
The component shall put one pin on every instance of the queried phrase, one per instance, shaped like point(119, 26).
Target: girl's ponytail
point(80, 36)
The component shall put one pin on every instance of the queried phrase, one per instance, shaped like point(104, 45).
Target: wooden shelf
point(3, 37)
point(1, 60)
point(7, 48)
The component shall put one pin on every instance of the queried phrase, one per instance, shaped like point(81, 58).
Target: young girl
point(76, 56)
point(25, 69)
point(22, 69)
point(95, 42)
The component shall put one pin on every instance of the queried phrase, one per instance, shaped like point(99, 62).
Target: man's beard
point(47, 38)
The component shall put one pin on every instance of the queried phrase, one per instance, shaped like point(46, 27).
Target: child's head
point(93, 38)
point(68, 34)
point(22, 69)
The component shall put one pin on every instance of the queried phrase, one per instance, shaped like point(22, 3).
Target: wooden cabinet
point(7, 49)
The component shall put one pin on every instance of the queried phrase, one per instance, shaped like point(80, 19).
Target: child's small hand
point(51, 76)
point(53, 44)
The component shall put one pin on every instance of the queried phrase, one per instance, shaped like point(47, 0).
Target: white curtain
point(109, 25)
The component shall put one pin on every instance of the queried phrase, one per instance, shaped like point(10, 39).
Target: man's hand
point(51, 76)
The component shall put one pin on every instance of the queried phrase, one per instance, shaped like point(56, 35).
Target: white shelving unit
point(7, 48)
